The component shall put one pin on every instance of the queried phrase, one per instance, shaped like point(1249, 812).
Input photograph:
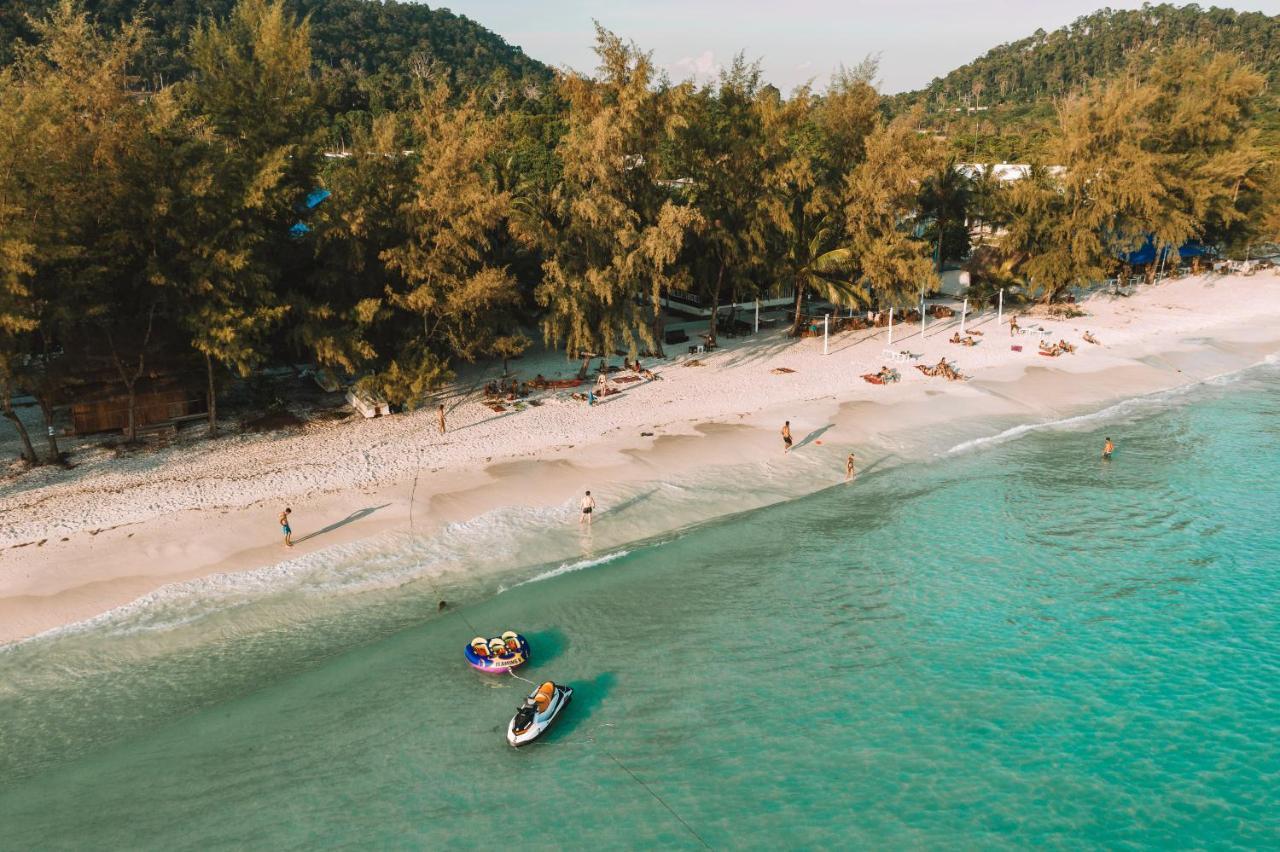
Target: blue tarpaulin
point(313, 200)
point(314, 197)
point(1147, 253)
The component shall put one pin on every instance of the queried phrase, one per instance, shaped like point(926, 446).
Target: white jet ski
point(537, 713)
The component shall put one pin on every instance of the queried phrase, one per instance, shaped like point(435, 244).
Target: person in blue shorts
point(285, 528)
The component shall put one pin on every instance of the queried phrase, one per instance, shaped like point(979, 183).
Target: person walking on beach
point(1013, 326)
point(1107, 449)
point(285, 528)
point(848, 468)
point(786, 437)
point(440, 414)
point(588, 505)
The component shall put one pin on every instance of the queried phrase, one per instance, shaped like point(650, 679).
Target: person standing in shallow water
point(285, 528)
point(588, 506)
point(786, 437)
point(848, 468)
point(1107, 449)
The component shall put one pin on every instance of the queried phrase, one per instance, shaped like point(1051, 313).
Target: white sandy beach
point(76, 543)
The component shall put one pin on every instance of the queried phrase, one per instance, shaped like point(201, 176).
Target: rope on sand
point(442, 604)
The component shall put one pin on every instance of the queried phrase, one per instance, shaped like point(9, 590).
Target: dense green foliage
point(386, 41)
point(1000, 106)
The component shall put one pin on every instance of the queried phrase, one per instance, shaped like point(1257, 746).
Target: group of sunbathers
point(942, 368)
point(884, 377)
point(967, 340)
point(634, 366)
point(510, 389)
point(1062, 347)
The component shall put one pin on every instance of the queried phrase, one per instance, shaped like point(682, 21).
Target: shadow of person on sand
point(349, 519)
point(812, 436)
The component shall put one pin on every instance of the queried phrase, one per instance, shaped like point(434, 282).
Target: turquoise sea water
point(1016, 644)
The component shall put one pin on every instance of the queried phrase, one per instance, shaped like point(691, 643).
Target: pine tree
point(456, 298)
point(19, 315)
point(721, 154)
point(615, 233)
point(341, 316)
point(90, 204)
point(250, 160)
point(818, 143)
point(884, 192)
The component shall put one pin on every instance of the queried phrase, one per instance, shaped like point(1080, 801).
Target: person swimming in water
point(1108, 449)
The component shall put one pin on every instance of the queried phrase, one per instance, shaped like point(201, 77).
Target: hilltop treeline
point(373, 36)
point(1052, 64)
point(210, 222)
point(1001, 105)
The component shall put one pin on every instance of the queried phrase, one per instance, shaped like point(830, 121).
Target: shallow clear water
point(1014, 644)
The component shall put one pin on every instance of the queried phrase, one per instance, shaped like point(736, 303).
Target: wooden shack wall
point(153, 406)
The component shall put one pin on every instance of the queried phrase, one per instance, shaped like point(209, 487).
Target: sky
point(797, 41)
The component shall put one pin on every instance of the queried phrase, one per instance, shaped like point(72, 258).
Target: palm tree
point(816, 265)
point(986, 200)
point(946, 198)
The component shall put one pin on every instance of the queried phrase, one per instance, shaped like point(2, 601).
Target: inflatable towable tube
point(498, 655)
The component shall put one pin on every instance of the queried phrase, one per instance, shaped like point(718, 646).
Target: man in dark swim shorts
point(588, 503)
point(786, 437)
